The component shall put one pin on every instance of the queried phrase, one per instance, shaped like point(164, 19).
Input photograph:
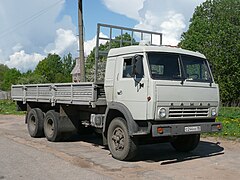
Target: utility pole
point(81, 41)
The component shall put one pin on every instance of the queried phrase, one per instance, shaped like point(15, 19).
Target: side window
point(130, 70)
point(127, 68)
point(138, 66)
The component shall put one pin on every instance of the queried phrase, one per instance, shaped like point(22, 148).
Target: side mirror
point(137, 66)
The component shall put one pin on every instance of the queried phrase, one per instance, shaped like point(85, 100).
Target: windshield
point(173, 66)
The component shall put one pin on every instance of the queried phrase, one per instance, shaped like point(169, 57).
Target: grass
point(9, 107)
point(228, 116)
point(230, 119)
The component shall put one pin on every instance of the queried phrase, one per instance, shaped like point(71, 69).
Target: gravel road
point(23, 157)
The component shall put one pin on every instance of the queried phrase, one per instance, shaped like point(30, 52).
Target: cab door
point(131, 85)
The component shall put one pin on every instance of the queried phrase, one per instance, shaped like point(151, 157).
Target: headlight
point(214, 112)
point(162, 113)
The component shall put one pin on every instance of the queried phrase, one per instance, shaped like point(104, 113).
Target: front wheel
point(186, 143)
point(121, 145)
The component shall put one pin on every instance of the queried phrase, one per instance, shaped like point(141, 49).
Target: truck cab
point(165, 92)
point(161, 83)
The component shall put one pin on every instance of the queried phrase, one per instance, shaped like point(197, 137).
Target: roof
point(145, 48)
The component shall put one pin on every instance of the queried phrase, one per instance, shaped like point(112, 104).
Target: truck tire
point(51, 126)
point(186, 143)
point(121, 145)
point(35, 122)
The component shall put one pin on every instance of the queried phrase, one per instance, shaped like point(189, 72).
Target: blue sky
point(95, 12)
point(30, 29)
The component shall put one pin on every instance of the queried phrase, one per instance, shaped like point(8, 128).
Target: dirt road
point(23, 157)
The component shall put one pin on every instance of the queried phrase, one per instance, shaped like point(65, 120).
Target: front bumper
point(184, 129)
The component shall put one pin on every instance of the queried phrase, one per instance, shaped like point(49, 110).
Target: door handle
point(119, 92)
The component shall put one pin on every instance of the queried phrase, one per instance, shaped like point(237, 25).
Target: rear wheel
point(121, 145)
point(51, 126)
point(35, 122)
point(186, 143)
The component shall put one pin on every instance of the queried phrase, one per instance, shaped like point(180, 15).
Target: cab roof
point(150, 48)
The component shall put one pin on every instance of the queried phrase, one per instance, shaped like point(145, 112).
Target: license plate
point(192, 128)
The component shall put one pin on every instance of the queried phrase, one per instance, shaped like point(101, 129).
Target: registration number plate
point(193, 129)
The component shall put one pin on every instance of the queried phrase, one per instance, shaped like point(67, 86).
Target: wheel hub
point(118, 139)
point(32, 123)
point(50, 126)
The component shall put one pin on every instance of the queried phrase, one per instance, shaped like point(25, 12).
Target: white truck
point(150, 93)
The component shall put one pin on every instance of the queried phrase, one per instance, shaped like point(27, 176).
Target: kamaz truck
point(150, 93)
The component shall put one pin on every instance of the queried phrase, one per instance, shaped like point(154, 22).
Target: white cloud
point(171, 25)
point(39, 28)
point(24, 61)
point(128, 8)
point(90, 44)
point(31, 26)
point(17, 47)
point(170, 17)
point(64, 40)
point(172, 28)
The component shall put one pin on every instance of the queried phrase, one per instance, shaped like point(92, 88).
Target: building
point(76, 71)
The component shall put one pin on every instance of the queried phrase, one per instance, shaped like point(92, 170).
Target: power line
point(28, 20)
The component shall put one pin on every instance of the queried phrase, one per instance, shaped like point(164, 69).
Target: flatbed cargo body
point(62, 93)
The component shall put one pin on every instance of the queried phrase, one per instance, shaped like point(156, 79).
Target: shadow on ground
point(161, 152)
point(165, 154)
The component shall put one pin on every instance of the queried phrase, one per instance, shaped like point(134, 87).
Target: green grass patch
point(9, 107)
point(230, 119)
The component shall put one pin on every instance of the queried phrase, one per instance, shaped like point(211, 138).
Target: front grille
point(188, 112)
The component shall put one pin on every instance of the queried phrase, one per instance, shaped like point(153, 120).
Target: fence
point(5, 95)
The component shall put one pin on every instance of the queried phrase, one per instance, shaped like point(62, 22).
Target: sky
point(31, 29)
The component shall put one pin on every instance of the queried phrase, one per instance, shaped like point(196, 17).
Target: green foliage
point(8, 107)
point(10, 77)
point(215, 31)
point(3, 70)
point(31, 78)
point(49, 67)
point(68, 63)
point(53, 69)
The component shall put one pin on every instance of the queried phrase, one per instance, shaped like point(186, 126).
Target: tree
point(3, 70)
point(215, 31)
point(10, 77)
point(31, 78)
point(53, 69)
point(50, 69)
point(68, 64)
